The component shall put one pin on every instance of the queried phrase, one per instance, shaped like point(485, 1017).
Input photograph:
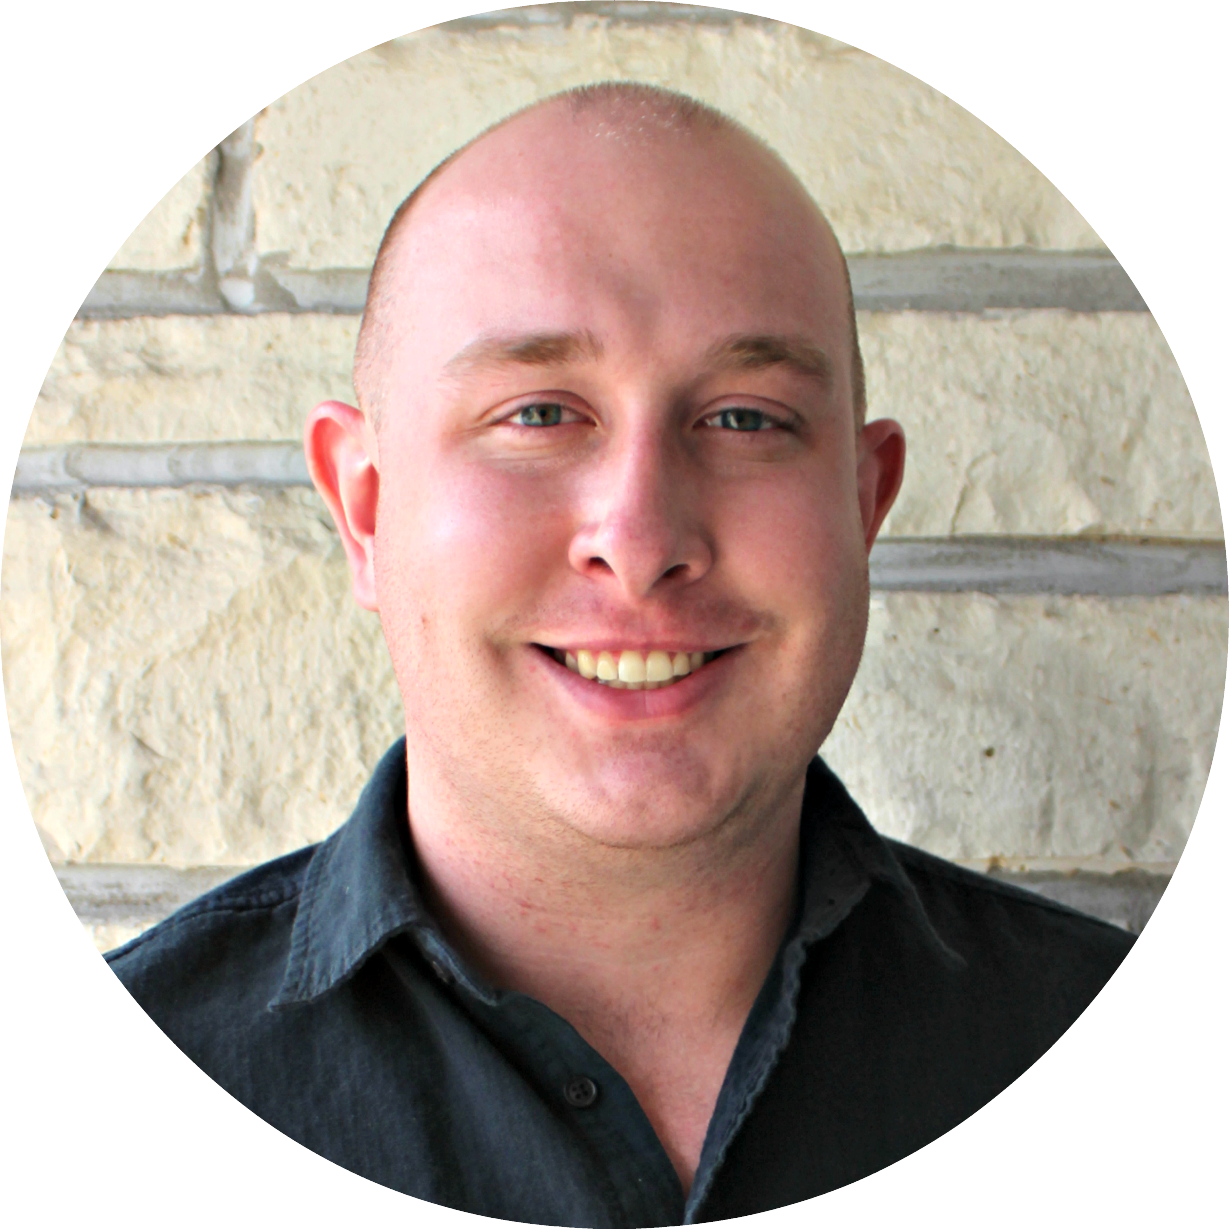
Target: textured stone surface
point(172, 235)
point(895, 164)
point(189, 683)
point(193, 378)
point(188, 680)
point(1036, 422)
point(1035, 728)
point(1040, 422)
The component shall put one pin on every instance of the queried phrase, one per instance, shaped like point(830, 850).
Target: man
point(603, 942)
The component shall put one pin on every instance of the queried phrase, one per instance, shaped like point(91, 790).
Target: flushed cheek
point(801, 556)
point(794, 543)
point(481, 546)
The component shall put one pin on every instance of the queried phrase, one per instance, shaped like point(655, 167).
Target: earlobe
point(881, 469)
point(344, 466)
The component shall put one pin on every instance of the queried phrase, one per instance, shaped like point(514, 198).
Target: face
point(618, 435)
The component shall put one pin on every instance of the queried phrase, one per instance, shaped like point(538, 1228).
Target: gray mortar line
point(942, 279)
point(231, 280)
point(233, 234)
point(128, 895)
point(1071, 566)
point(617, 11)
point(80, 467)
point(968, 280)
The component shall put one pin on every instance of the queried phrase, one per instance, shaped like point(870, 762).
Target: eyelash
point(767, 422)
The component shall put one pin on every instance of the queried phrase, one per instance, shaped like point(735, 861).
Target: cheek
point(469, 546)
point(796, 541)
point(798, 552)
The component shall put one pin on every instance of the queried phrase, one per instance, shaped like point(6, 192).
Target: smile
point(632, 669)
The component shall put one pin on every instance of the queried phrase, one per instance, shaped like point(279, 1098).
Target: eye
point(741, 419)
point(539, 414)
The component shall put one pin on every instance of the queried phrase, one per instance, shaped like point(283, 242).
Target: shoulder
point(1000, 928)
point(228, 945)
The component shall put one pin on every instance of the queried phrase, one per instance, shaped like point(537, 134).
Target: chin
point(652, 802)
point(634, 825)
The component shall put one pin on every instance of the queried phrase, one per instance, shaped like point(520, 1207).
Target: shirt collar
point(841, 856)
point(359, 891)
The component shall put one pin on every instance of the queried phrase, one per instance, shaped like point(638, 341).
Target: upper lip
point(611, 644)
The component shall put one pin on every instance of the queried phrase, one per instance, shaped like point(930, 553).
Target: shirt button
point(580, 1091)
point(442, 973)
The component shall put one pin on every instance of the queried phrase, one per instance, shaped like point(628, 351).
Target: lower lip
point(620, 704)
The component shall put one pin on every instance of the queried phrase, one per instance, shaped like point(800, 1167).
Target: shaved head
point(613, 111)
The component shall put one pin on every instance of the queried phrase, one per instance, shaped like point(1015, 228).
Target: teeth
point(631, 669)
point(657, 667)
point(631, 666)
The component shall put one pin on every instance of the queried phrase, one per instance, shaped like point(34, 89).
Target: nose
point(644, 529)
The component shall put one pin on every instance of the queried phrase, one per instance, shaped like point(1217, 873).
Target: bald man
point(604, 942)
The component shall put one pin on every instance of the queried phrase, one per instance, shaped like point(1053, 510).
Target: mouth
point(632, 669)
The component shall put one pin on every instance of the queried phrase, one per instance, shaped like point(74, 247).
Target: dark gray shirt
point(317, 990)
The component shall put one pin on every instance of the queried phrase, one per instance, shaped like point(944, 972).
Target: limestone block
point(193, 378)
point(1034, 728)
point(188, 680)
point(1038, 423)
point(189, 683)
point(1035, 422)
point(895, 164)
point(173, 233)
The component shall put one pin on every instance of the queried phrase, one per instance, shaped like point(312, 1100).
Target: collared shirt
point(319, 992)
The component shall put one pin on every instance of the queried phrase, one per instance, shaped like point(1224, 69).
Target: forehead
point(560, 221)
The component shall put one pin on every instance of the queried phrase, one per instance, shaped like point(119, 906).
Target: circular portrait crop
point(466, 505)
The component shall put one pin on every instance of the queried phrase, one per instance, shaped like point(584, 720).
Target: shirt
point(907, 993)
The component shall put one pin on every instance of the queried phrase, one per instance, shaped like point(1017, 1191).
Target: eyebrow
point(752, 351)
point(525, 349)
point(739, 352)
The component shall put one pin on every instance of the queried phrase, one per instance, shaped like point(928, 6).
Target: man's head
point(611, 400)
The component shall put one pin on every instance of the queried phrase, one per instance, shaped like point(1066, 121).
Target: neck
point(654, 955)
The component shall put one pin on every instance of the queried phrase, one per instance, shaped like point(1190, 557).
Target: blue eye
point(538, 415)
point(744, 420)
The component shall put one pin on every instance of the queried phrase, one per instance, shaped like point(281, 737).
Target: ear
point(343, 461)
point(881, 468)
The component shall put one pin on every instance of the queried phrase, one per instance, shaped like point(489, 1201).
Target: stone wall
point(191, 689)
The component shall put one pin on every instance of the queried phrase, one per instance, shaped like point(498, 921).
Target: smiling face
point(617, 433)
